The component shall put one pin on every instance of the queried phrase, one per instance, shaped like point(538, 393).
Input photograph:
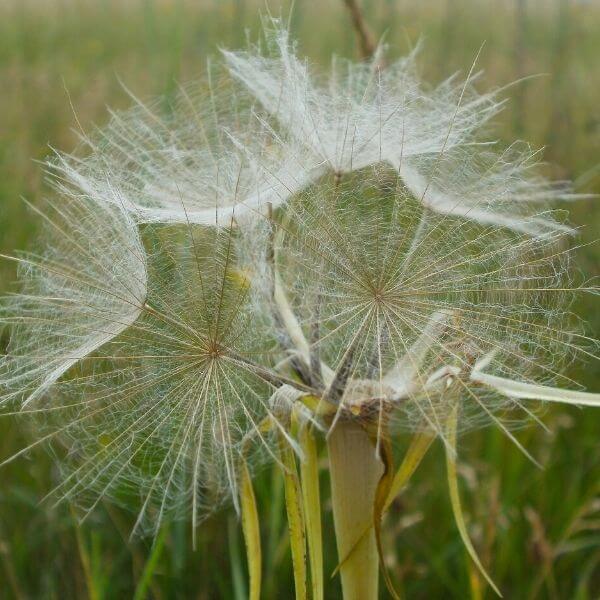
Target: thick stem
point(355, 472)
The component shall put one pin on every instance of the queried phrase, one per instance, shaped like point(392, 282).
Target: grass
point(537, 531)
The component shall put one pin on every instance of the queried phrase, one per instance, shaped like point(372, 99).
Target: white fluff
point(279, 243)
point(358, 116)
point(212, 160)
point(87, 288)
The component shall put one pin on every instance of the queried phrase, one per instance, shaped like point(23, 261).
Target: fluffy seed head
point(280, 236)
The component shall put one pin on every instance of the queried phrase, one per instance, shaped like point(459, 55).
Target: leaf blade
point(251, 529)
point(296, 524)
point(309, 472)
point(455, 498)
point(530, 391)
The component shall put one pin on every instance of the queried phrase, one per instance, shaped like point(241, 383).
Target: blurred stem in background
point(520, 63)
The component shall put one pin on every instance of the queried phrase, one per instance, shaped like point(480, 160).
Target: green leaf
point(237, 580)
point(84, 555)
point(141, 590)
point(381, 496)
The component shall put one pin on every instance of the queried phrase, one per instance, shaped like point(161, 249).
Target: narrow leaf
point(141, 590)
point(455, 497)
point(238, 579)
point(289, 319)
point(84, 556)
point(250, 526)
point(309, 471)
point(295, 516)
point(381, 495)
point(291, 324)
point(419, 445)
point(529, 391)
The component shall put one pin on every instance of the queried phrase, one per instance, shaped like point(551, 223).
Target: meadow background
point(538, 531)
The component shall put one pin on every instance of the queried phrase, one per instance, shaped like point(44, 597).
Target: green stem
point(355, 472)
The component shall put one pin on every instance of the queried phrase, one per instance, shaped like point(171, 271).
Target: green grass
point(530, 525)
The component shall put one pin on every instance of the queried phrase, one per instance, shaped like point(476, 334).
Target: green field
point(538, 531)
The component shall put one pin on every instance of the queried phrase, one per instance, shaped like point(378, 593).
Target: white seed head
point(278, 235)
point(359, 115)
point(404, 301)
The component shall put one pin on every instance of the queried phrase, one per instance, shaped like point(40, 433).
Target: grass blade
point(381, 496)
point(141, 590)
point(455, 498)
point(238, 579)
point(84, 555)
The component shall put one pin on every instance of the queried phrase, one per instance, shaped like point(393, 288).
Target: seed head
point(337, 246)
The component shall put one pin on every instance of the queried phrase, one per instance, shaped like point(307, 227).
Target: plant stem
point(365, 39)
point(355, 472)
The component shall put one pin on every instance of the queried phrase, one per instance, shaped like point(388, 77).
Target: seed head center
point(214, 351)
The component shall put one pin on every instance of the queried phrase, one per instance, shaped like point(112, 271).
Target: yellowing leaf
point(295, 516)
point(309, 472)
point(419, 446)
point(250, 526)
point(529, 391)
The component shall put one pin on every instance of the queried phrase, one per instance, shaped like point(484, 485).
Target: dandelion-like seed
point(287, 257)
point(210, 156)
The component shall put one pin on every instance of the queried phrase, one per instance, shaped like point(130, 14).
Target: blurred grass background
point(537, 531)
